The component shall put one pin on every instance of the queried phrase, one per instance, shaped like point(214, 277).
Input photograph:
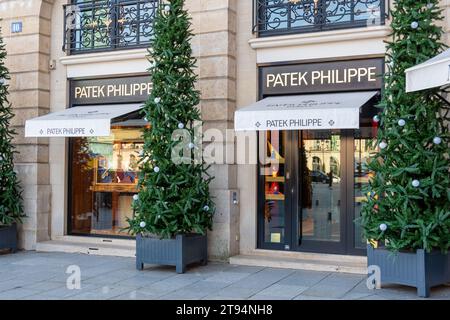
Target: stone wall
point(214, 44)
point(28, 57)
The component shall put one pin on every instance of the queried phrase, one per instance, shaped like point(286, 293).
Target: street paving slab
point(29, 275)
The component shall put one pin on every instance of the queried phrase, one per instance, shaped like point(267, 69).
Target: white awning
point(88, 121)
point(433, 73)
point(318, 111)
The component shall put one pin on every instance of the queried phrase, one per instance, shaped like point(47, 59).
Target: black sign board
point(363, 74)
point(113, 90)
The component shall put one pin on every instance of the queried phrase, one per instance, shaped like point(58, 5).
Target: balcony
point(103, 25)
point(281, 17)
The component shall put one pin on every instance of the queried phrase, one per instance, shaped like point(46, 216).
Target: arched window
point(316, 164)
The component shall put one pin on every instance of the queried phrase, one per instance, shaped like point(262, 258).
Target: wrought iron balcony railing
point(101, 25)
point(277, 17)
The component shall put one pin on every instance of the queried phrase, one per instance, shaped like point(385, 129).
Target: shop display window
point(104, 177)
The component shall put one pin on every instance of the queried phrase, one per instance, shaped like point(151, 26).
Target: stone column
point(214, 24)
point(445, 4)
point(28, 58)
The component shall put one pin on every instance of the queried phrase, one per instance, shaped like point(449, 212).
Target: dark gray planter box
point(179, 252)
point(8, 238)
point(420, 269)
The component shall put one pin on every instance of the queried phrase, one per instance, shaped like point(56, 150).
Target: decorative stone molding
point(320, 37)
point(321, 45)
point(106, 63)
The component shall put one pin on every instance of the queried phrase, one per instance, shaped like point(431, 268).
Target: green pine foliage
point(408, 205)
point(11, 208)
point(173, 198)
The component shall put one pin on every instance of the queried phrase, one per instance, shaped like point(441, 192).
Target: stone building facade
point(230, 54)
point(39, 85)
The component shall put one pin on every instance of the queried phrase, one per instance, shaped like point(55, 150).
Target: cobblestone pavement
point(31, 275)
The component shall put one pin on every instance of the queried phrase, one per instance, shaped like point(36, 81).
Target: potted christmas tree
point(11, 210)
point(173, 209)
point(407, 214)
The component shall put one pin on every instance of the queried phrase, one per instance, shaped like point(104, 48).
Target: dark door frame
point(346, 245)
point(289, 201)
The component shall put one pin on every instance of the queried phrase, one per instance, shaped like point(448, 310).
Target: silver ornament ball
point(191, 145)
point(206, 208)
point(157, 100)
point(167, 9)
point(401, 123)
point(383, 227)
point(383, 145)
point(136, 197)
point(142, 224)
point(376, 119)
point(414, 24)
point(415, 183)
point(180, 126)
point(437, 140)
point(156, 169)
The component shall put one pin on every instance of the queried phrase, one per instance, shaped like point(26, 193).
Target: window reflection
point(363, 150)
point(321, 185)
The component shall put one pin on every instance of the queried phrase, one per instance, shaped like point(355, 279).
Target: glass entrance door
point(320, 160)
point(311, 189)
point(321, 191)
point(302, 192)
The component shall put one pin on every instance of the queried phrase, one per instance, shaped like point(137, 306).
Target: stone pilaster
point(214, 44)
point(28, 57)
point(445, 4)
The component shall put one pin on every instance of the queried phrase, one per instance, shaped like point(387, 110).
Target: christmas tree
point(11, 210)
point(174, 197)
point(408, 204)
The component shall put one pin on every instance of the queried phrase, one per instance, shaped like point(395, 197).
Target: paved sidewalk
point(31, 275)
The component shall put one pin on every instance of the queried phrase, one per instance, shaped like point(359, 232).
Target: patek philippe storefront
point(316, 123)
point(304, 88)
point(316, 85)
point(103, 129)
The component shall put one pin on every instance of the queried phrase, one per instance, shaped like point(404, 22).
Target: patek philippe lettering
point(116, 90)
point(321, 77)
point(290, 123)
point(333, 76)
point(65, 131)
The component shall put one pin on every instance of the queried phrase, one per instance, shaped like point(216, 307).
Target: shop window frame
point(70, 199)
point(68, 228)
point(347, 245)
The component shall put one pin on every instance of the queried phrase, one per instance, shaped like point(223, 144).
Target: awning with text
point(86, 121)
point(304, 112)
